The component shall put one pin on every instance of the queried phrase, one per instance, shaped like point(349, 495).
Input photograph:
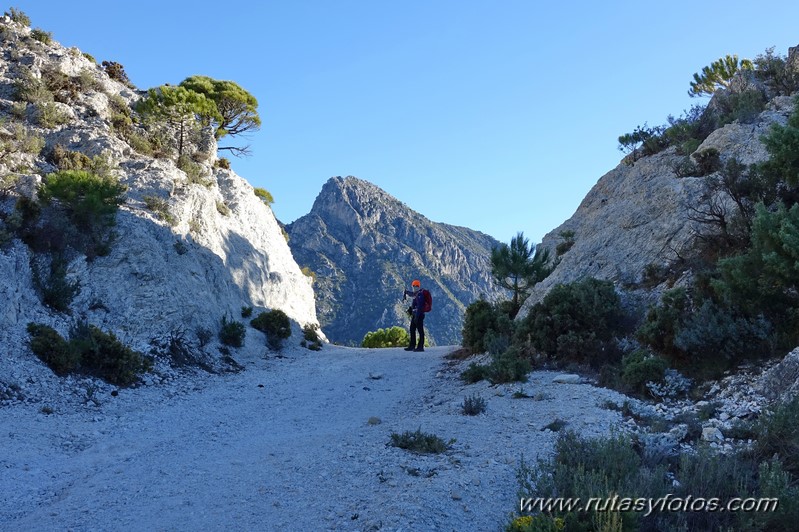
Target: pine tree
point(718, 75)
point(518, 268)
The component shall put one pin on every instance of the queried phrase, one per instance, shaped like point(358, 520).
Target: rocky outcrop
point(637, 214)
point(365, 247)
point(213, 249)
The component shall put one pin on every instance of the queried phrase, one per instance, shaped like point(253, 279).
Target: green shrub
point(223, 163)
point(246, 312)
point(264, 196)
point(88, 350)
point(103, 355)
point(640, 367)
point(90, 201)
point(276, 325)
point(50, 280)
point(66, 159)
point(21, 141)
point(18, 16)
point(52, 349)
point(31, 89)
point(42, 36)
point(474, 373)
point(575, 322)
point(473, 405)
point(392, 337)
point(707, 161)
point(160, 207)
point(480, 318)
point(311, 339)
point(507, 367)
point(743, 107)
point(770, 68)
point(194, 172)
point(231, 333)
point(778, 435)
point(420, 442)
point(566, 244)
point(49, 115)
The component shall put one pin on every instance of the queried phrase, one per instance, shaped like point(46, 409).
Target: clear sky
point(495, 115)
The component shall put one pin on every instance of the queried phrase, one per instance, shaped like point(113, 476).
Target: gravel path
point(287, 445)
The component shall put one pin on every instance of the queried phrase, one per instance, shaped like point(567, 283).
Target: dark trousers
point(417, 324)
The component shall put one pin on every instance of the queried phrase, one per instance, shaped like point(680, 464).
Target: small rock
point(375, 376)
point(456, 496)
point(567, 378)
point(374, 421)
point(712, 434)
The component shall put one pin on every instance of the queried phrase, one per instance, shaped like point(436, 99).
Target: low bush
point(778, 436)
point(246, 311)
point(473, 405)
point(49, 115)
point(391, 337)
point(311, 339)
point(474, 373)
point(91, 201)
point(116, 72)
point(707, 161)
point(89, 350)
point(641, 367)
point(44, 37)
point(231, 333)
point(160, 207)
point(52, 349)
point(275, 324)
point(18, 16)
point(264, 195)
point(420, 442)
point(50, 280)
point(575, 322)
point(66, 159)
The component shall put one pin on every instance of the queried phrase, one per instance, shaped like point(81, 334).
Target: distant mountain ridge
point(365, 247)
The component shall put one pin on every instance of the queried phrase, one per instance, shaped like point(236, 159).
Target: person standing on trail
point(416, 311)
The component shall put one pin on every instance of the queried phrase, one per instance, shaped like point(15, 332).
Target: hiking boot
point(409, 349)
point(419, 349)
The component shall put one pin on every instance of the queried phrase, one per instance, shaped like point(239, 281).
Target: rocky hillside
point(637, 216)
point(192, 244)
point(365, 247)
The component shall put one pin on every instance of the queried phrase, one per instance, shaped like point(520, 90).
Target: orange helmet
point(416, 283)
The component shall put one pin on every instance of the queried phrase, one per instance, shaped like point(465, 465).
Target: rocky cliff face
point(365, 247)
point(221, 250)
point(637, 214)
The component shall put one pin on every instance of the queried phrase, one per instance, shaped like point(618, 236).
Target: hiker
point(416, 311)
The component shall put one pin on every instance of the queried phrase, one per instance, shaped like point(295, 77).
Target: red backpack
point(428, 301)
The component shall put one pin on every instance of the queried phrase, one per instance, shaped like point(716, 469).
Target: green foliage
point(473, 405)
point(743, 107)
point(44, 37)
point(718, 75)
point(18, 16)
point(575, 322)
point(49, 115)
point(30, 88)
point(566, 244)
point(275, 324)
point(707, 161)
point(178, 107)
point(90, 201)
point(782, 144)
point(237, 109)
point(103, 355)
point(50, 280)
point(640, 367)
point(480, 317)
point(160, 207)
point(778, 435)
point(771, 69)
point(222, 163)
point(644, 140)
point(765, 279)
point(505, 367)
point(391, 337)
point(52, 349)
point(66, 159)
point(420, 442)
point(246, 312)
point(518, 268)
point(88, 350)
point(231, 333)
point(194, 171)
point(311, 339)
point(21, 141)
point(264, 196)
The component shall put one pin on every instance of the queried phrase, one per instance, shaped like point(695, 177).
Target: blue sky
point(499, 116)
